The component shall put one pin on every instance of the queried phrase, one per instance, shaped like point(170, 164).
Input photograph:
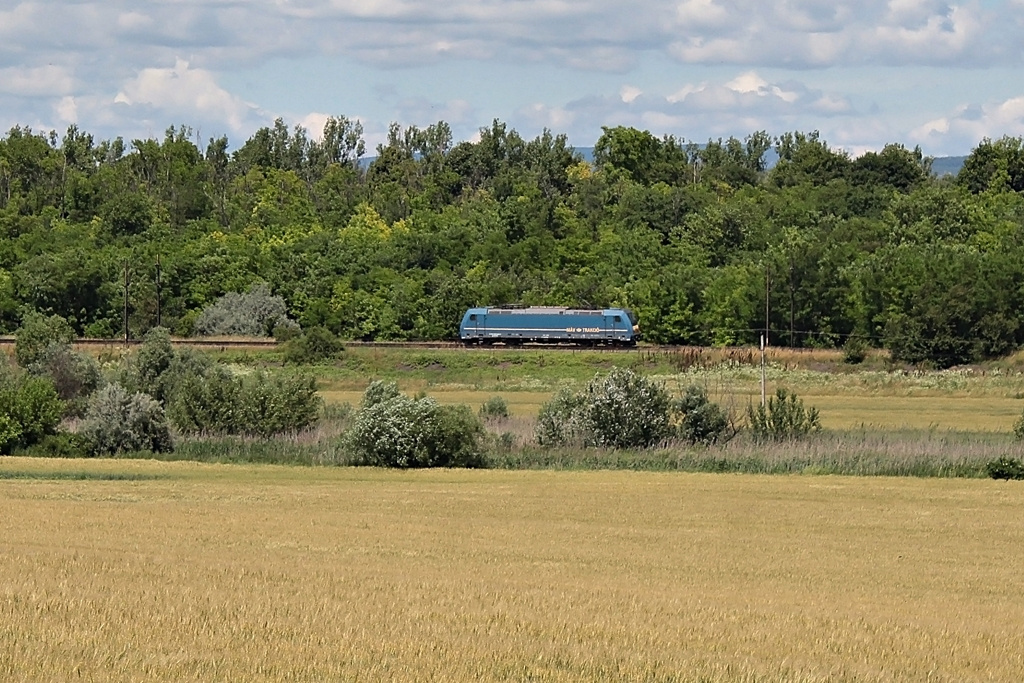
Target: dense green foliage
point(703, 421)
point(43, 347)
point(30, 409)
point(1018, 428)
point(1005, 468)
point(315, 345)
point(494, 408)
point(691, 237)
point(219, 402)
point(37, 335)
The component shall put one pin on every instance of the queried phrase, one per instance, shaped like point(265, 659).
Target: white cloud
point(540, 116)
point(65, 60)
point(938, 37)
point(67, 110)
point(181, 89)
point(831, 104)
point(703, 13)
point(628, 93)
point(423, 112)
point(134, 21)
point(964, 127)
point(35, 81)
point(598, 34)
point(314, 123)
point(749, 91)
point(747, 82)
point(735, 106)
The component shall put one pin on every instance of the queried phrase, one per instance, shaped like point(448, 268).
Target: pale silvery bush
point(389, 433)
point(562, 420)
point(254, 313)
point(378, 392)
point(627, 410)
point(117, 421)
point(394, 430)
point(617, 410)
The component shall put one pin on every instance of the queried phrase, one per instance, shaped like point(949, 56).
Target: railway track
point(270, 344)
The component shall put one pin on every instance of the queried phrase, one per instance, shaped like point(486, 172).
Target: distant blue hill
point(947, 165)
point(941, 166)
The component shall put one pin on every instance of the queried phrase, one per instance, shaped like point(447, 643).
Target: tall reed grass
point(913, 453)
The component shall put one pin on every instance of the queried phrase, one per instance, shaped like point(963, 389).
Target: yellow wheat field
point(140, 571)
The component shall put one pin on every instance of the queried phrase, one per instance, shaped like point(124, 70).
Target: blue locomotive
point(549, 325)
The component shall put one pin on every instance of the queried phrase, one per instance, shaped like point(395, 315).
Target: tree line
point(701, 241)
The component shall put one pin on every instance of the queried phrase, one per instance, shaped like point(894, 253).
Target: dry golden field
point(139, 571)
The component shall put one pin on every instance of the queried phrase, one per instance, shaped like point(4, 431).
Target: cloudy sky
point(938, 74)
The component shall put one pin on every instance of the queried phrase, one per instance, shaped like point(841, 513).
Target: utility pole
point(792, 304)
point(767, 319)
point(158, 290)
point(767, 292)
point(763, 392)
point(126, 303)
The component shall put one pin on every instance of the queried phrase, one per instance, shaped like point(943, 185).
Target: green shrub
point(401, 431)
point(702, 421)
point(1005, 468)
point(207, 403)
point(286, 330)
point(1018, 428)
point(855, 351)
point(74, 375)
point(277, 405)
point(619, 410)
point(315, 345)
point(494, 408)
point(157, 368)
point(785, 417)
point(10, 432)
point(30, 409)
point(117, 421)
point(60, 445)
point(505, 442)
point(145, 370)
point(257, 405)
point(453, 438)
point(37, 333)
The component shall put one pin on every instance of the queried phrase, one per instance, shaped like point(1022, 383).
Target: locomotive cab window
point(472, 316)
point(618, 318)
